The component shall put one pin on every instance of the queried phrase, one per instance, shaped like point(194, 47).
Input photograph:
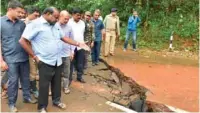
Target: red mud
point(172, 84)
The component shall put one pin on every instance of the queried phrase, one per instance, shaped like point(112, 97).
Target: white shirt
point(78, 29)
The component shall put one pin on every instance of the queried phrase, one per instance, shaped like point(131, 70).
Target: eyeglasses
point(88, 15)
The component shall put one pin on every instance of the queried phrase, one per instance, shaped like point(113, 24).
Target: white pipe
point(120, 107)
point(177, 110)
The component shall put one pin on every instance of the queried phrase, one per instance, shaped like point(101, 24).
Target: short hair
point(32, 9)
point(14, 4)
point(97, 10)
point(50, 10)
point(77, 10)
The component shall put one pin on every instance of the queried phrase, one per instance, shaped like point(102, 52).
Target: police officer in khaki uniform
point(112, 28)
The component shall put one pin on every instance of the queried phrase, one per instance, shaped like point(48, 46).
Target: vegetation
point(159, 18)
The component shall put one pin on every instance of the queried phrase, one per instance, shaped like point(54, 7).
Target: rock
point(116, 92)
point(124, 102)
point(157, 107)
point(99, 104)
point(115, 77)
point(138, 105)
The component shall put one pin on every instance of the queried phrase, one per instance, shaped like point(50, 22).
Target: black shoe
point(31, 101)
point(43, 110)
point(81, 80)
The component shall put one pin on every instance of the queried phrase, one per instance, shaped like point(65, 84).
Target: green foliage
point(159, 17)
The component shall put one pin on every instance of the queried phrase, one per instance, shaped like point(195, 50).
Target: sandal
point(60, 105)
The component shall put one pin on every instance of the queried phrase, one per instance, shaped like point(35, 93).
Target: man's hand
point(104, 37)
point(103, 34)
point(92, 44)
point(36, 59)
point(4, 66)
point(71, 56)
point(84, 46)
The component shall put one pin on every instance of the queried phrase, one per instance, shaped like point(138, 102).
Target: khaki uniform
point(33, 69)
point(112, 28)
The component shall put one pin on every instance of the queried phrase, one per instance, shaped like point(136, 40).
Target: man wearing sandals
point(45, 38)
point(67, 50)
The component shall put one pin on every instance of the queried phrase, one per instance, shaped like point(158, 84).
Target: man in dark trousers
point(45, 36)
point(78, 29)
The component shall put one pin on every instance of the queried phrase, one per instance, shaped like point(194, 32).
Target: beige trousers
point(33, 69)
point(110, 42)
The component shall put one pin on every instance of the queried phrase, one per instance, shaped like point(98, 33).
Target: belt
point(110, 29)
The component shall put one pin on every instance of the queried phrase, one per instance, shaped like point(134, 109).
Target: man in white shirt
point(78, 28)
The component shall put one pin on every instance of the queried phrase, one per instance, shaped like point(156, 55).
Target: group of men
point(52, 45)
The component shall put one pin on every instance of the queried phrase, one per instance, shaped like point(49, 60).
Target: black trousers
point(77, 63)
point(49, 75)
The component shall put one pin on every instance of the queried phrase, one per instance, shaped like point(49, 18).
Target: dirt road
point(173, 81)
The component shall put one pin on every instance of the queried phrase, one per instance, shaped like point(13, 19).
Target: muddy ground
point(89, 97)
point(171, 80)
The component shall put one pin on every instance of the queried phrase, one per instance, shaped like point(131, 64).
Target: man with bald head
point(67, 52)
point(46, 49)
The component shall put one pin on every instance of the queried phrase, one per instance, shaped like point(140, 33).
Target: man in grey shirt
point(13, 57)
point(67, 50)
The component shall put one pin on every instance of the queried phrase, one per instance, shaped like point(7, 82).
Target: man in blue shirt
point(46, 49)
point(13, 57)
point(98, 25)
point(132, 28)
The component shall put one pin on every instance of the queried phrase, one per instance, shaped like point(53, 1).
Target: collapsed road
point(124, 90)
